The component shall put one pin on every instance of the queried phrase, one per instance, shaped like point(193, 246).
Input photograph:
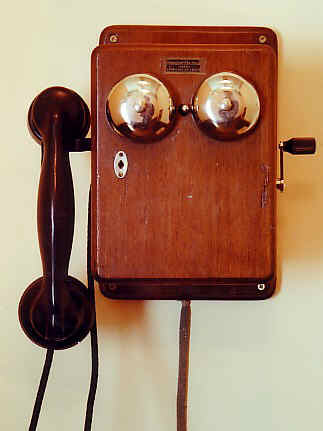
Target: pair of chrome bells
point(225, 107)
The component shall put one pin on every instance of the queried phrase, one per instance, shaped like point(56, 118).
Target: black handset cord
point(94, 333)
point(94, 351)
point(183, 369)
point(41, 389)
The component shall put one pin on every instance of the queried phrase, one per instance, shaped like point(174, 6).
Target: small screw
point(262, 38)
point(114, 38)
point(261, 286)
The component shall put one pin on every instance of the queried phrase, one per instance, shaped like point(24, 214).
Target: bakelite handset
point(55, 310)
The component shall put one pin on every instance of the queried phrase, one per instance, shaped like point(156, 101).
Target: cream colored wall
point(254, 365)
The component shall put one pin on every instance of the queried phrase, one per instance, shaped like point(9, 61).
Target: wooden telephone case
point(194, 218)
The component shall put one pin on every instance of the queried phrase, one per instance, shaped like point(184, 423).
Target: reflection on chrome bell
point(141, 108)
point(226, 106)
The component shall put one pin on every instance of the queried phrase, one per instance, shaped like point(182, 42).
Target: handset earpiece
point(55, 310)
point(141, 108)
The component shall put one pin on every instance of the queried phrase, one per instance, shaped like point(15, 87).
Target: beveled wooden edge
point(179, 289)
point(137, 34)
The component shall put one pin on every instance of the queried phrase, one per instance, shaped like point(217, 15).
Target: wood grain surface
point(191, 209)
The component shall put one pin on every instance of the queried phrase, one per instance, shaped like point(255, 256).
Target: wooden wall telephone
point(184, 148)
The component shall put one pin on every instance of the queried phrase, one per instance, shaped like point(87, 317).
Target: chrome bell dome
point(141, 108)
point(226, 106)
